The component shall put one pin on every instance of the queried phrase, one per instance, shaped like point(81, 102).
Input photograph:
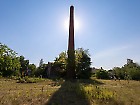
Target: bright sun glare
point(76, 24)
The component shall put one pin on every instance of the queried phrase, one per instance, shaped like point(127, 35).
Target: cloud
point(111, 57)
point(112, 52)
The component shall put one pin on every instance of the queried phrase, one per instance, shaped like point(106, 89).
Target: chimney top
point(71, 6)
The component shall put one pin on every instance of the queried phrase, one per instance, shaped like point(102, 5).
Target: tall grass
point(60, 92)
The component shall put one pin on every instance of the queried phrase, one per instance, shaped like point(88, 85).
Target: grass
point(80, 92)
point(127, 92)
point(13, 93)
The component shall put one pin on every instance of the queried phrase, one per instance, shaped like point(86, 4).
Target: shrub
point(102, 74)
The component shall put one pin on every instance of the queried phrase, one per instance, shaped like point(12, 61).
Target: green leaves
point(82, 60)
point(128, 71)
point(102, 74)
point(9, 62)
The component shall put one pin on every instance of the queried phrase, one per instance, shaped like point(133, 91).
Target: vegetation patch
point(29, 80)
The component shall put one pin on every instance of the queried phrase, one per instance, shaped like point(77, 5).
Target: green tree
point(82, 61)
point(128, 71)
point(41, 71)
point(59, 65)
point(102, 74)
point(9, 62)
point(32, 67)
point(24, 66)
point(119, 72)
point(132, 71)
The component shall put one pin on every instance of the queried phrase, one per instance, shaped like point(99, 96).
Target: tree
point(82, 62)
point(41, 70)
point(24, 66)
point(102, 74)
point(128, 71)
point(9, 62)
point(132, 71)
point(32, 68)
point(119, 72)
point(59, 65)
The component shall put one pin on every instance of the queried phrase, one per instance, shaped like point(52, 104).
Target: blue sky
point(110, 29)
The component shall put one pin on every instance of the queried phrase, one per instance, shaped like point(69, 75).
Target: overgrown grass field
point(60, 92)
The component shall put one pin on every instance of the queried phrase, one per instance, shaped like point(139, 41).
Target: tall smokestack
point(71, 50)
point(71, 29)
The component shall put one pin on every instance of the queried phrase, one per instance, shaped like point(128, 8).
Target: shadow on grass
point(66, 95)
point(73, 93)
point(70, 93)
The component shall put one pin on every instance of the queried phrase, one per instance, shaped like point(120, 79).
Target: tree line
point(129, 71)
point(13, 65)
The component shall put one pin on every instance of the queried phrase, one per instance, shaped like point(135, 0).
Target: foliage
point(41, 70)
point(119, 73)
point(24, 66)
point(59, 65)
point(9, 62)
point(128, 71)
point(26, 79)
point(32, 68)
point(102, 74)
point(96, 93)
point(82, 60)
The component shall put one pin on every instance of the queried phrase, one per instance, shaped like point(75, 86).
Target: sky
point(36, 29)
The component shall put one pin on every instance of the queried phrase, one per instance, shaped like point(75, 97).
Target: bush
point(29, 80)
point(102, 74)
point(128, 71)
point(135, 75)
